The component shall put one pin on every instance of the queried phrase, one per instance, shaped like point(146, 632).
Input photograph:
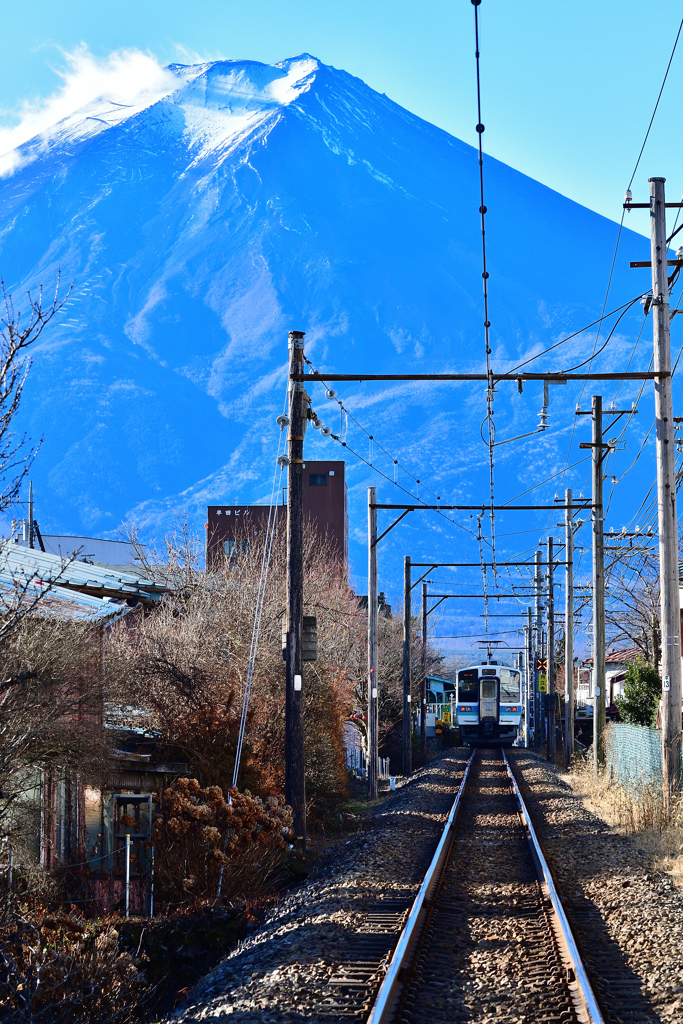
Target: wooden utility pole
point(295, 787)
point(550, 694)
point(423, 684)
point(373, 682)
point(666, 500)
point(568, 631)
point(407, 705)
point(597, 451)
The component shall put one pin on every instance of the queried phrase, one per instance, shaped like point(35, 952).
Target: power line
point(628, 188)
point(605, 316)
point(654, 112)
point(372, 438)
point(487, 323)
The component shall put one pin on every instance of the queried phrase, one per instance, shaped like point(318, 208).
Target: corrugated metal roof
point(22, 563)
point(63, 603)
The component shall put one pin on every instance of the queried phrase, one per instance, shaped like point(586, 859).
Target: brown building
point(325, 506)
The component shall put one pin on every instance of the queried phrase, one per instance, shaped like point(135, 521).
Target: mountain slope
point(200, 226)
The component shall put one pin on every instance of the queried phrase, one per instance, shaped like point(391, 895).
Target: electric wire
point(443, 515)
point(370, 465)
point(621, 223)
point(485, 277)
point(371, 437)
point(605, 343)
point(258, 613)
point(569, 337)
point(659, 96)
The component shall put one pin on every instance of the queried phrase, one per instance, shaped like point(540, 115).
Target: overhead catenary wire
point(395, 462)
point(490, 390)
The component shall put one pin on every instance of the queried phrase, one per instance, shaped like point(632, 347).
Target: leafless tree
point(18, 332)
point(186, 662)
point(50, 713)
point(632, 602)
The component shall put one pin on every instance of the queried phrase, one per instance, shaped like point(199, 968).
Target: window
point(234, 548)
point(317, 480)
point(468, 686)
point(489, 688)
point(509, 686)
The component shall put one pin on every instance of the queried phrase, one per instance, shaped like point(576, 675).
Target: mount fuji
point(200, 224)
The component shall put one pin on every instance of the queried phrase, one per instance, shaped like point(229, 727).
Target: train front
point(489, 707)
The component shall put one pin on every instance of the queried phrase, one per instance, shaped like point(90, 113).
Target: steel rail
point(389, 989)
point(583, 985)
point(395, 978)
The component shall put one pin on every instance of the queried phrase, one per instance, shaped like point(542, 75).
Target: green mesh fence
point(634, 755)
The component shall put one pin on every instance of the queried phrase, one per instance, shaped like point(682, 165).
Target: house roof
point(617, 657)
point(20, 565)
point(61, 603)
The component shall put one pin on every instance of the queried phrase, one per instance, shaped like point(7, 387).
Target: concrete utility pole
point(295, 787)
point(529, 703)
point(666, 500)
point(423, 685)
point(568, 631)
point(407, 705)
point(373, 682)
point(538, 704)
point(598, 450)
point(550, 694)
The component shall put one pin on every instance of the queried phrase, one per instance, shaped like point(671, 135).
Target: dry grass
point(639, 812)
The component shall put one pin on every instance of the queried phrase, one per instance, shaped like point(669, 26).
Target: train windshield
point(488, 688)
point(509, 686)
point(468, 686)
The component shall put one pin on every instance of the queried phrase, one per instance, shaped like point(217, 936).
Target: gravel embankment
point(627, 916)
point(343, 919)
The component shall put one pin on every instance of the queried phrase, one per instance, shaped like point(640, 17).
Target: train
point(485, 705)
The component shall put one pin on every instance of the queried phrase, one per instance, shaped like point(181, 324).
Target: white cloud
point(125, 76)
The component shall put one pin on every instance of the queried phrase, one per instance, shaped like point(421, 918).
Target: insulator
point(282, 461)
point(282, 421)
point(325, 431)
point(330, 394)
point(628, 196)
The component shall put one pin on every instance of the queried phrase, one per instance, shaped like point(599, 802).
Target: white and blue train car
point(489, 704)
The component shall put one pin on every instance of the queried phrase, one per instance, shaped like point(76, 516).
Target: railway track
point(486, 938)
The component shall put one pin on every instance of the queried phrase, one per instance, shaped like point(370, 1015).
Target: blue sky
point(568, 88)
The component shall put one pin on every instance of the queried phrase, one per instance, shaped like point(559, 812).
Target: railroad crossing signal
point(541, 664)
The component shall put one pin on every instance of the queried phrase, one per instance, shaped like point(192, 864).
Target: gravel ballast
point(321, 952)
point(347, 914)
point(626, 916)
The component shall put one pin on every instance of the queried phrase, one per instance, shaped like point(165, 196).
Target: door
point(488, 699)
